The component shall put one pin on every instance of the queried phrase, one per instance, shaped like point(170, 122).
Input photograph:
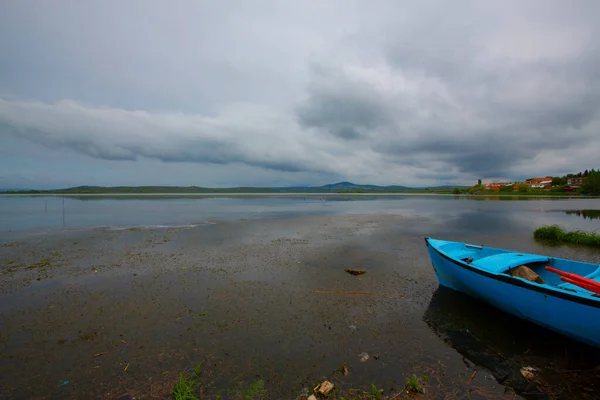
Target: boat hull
point(558, 313)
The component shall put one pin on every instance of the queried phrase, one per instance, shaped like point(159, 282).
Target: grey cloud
point(193, 56)
point(341, 107)
point(115, 134)
point(386, 92)
point(484, 113)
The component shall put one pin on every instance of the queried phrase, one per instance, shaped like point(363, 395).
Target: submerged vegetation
point(414, 385)
point(556, 233)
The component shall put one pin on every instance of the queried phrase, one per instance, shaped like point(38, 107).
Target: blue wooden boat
point(486, 273)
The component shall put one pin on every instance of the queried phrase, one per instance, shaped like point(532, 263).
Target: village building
point(539, 183)
point(576, 180)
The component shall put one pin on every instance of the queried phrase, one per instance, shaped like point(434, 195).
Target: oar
point(589, 283)
point(581, 284)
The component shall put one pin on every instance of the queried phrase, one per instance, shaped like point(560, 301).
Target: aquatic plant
point(376, 394)
point(40, 264)
point(187, 388)
point(413, 385)
point(558, 234)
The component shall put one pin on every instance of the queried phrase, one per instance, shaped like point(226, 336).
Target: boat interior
point(508, 262)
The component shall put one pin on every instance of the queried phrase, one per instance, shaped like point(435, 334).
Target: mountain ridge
point(339, 187)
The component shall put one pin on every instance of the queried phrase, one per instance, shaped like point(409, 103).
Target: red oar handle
point(589, 283)
point(591, 288)
point(557, 271)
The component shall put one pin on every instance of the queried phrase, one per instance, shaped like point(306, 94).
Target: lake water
point(116, 295)
point(40, 214)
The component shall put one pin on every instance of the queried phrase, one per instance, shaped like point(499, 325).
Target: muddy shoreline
point(105, 313)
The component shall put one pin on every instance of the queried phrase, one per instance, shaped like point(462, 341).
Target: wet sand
point(109, 313)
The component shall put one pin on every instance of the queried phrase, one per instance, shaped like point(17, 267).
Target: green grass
point(191, 386)
point(376, 394)
point(188, 388)
point(342, 369)
point(256, 391)
point(558, 234)
point(413, 385)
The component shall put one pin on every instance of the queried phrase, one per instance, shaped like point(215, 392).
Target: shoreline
point(314, 194)
point(124, 311)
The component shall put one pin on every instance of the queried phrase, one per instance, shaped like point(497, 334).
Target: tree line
point(592, 184)
point(562, 180)
point(590, 187)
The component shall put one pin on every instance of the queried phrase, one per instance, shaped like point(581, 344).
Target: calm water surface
point(39, 214)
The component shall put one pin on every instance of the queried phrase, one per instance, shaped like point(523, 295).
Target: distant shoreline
point(283, 194)
point(335, 189)
point(293, 194)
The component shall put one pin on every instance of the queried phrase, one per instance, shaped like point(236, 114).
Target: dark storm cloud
point(483, 113)
point(340, 106)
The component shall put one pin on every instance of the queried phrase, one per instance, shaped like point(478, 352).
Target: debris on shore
point(355, 272)
point(325, 388)
point(527, 372)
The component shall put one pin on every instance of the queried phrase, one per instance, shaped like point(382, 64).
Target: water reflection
point(503, 344)
point(491, 221)
point(506, 197)
point(585, 214)
point(241, 196)
point(450, 213)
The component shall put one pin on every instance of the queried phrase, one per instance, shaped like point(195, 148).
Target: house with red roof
point(539, 183)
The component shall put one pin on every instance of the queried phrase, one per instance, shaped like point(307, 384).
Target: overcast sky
point(225, 93)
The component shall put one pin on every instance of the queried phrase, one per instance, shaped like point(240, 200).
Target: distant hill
point(340, 187)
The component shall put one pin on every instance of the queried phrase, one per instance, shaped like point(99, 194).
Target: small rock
point(312, 397)
point(527, 372)
point(326, 388)
point(363, 356)
point(525, 272)
point(353, 327)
